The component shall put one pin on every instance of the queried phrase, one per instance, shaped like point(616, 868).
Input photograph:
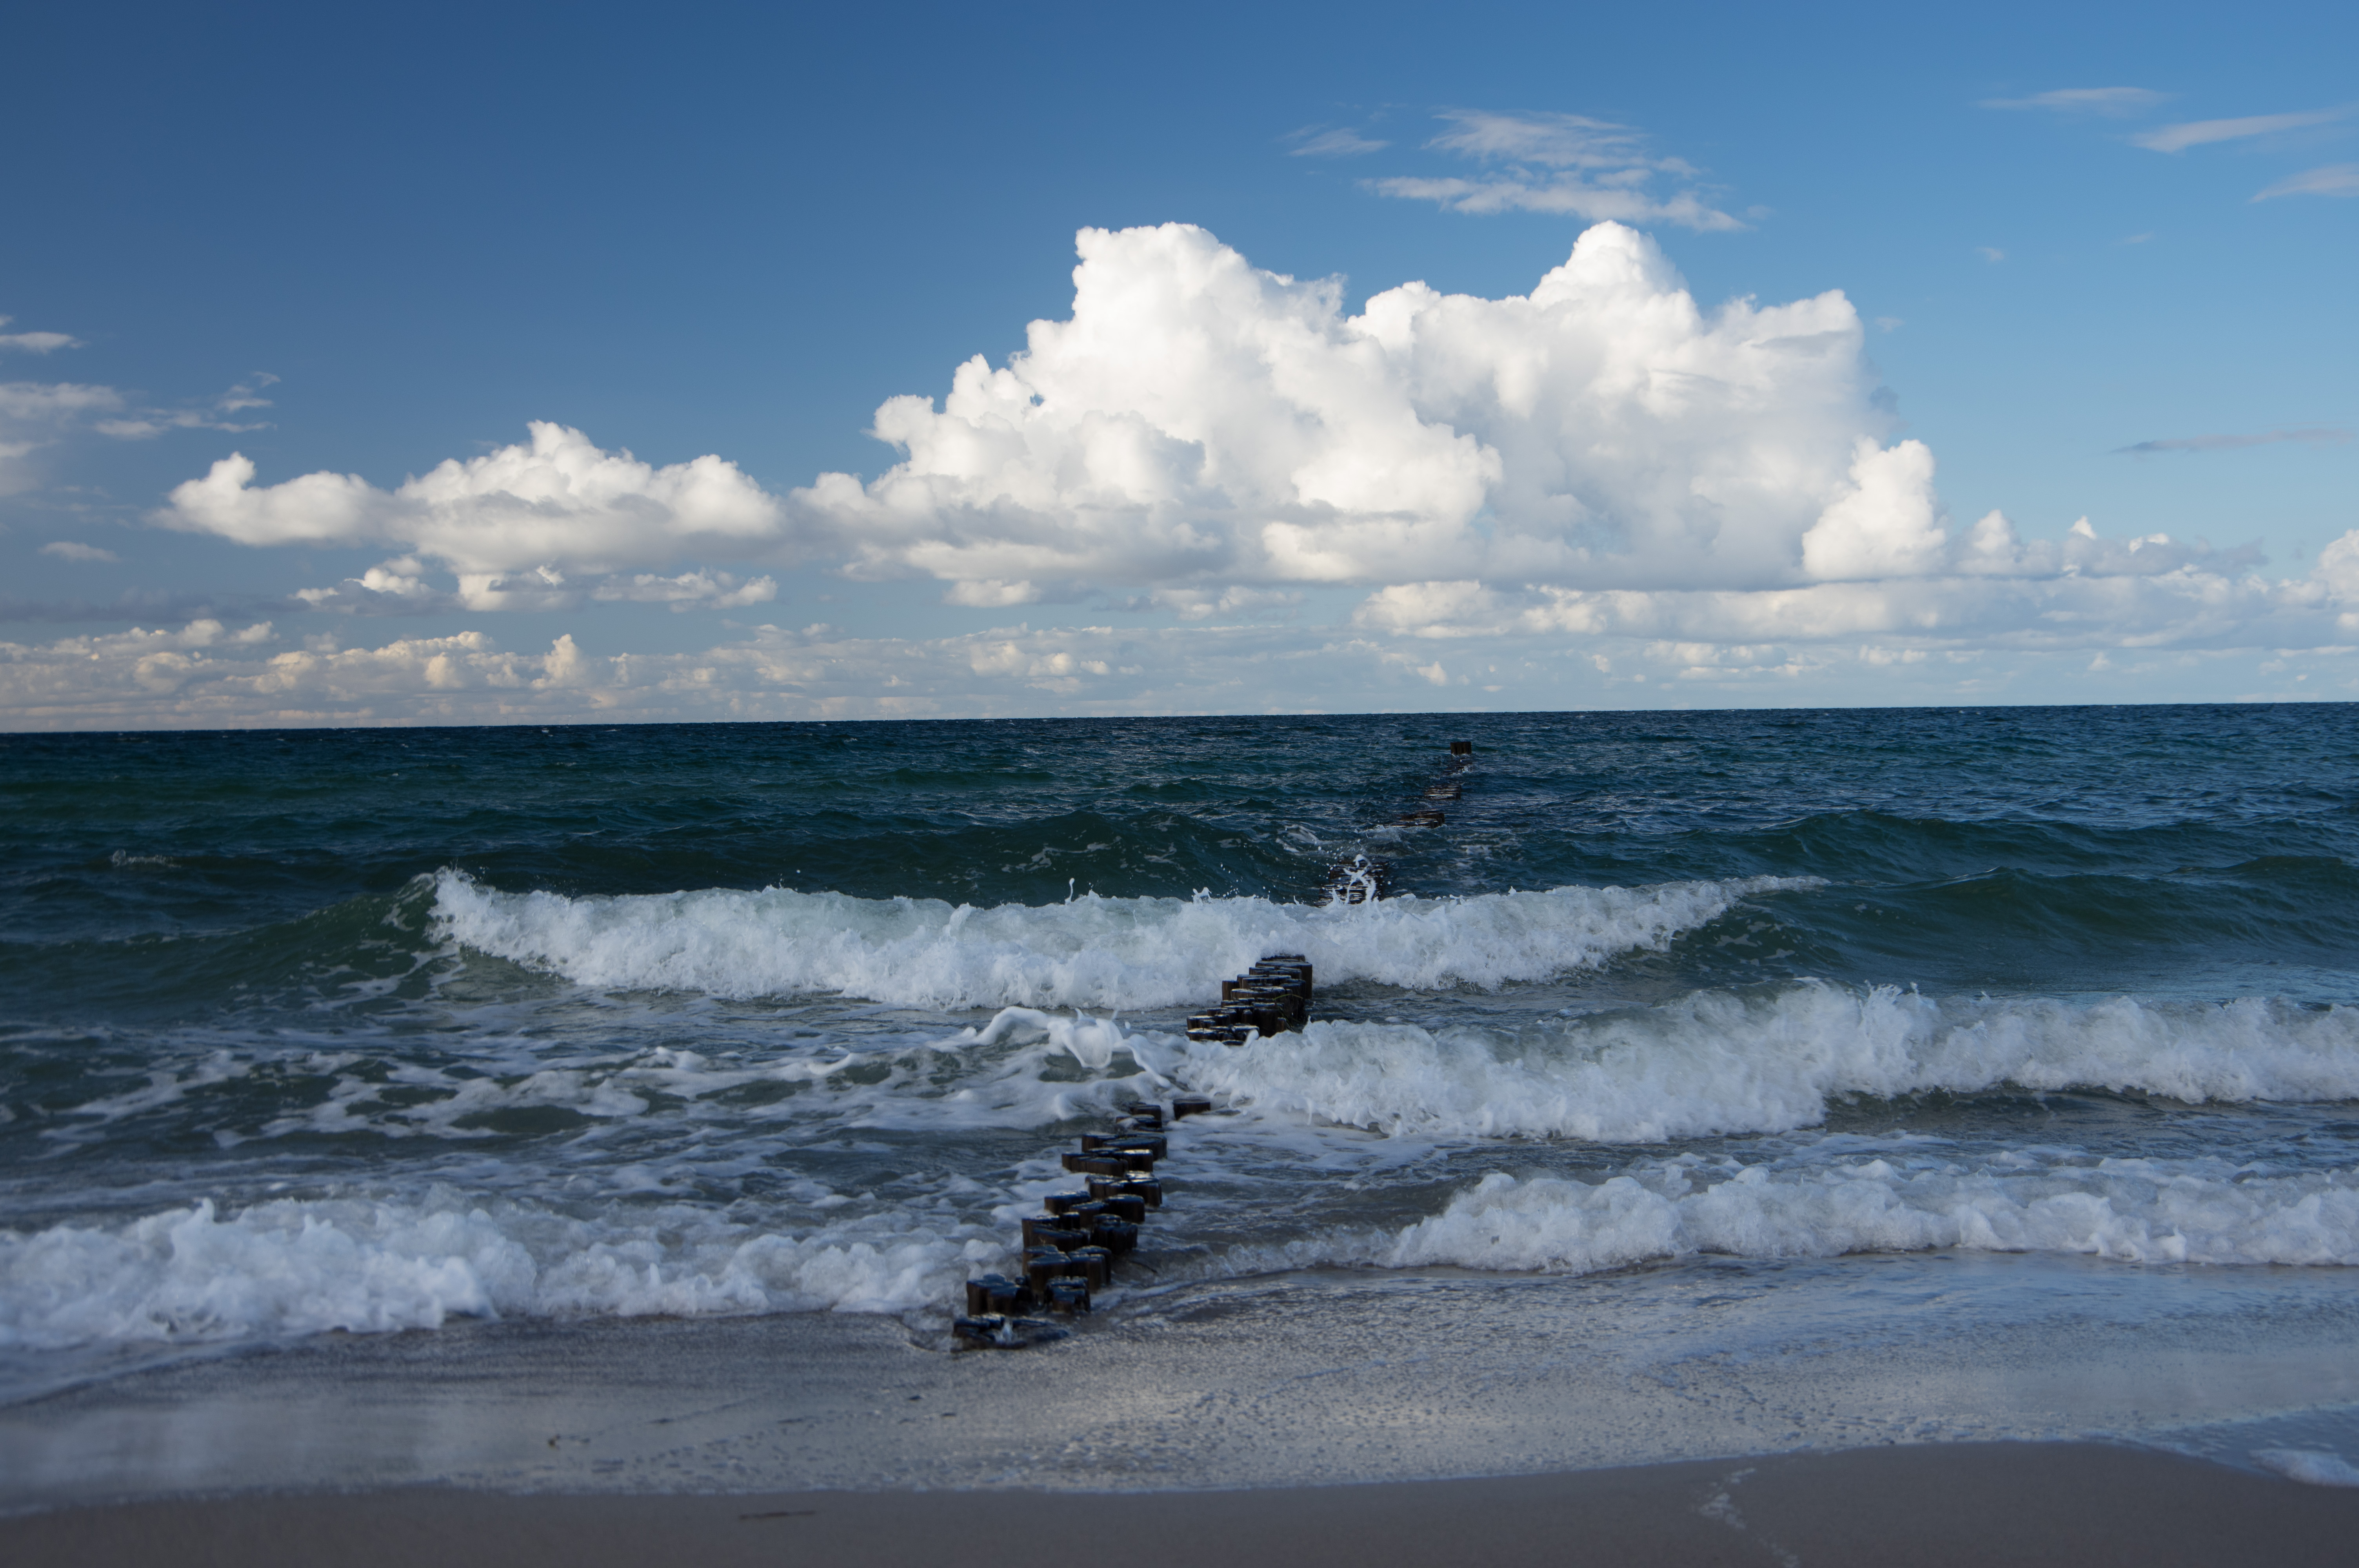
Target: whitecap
point(1126, 952)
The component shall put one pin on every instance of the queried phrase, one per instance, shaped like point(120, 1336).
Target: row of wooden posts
point(1073, 1247)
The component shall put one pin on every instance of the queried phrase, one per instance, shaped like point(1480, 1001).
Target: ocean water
point(377, 1030)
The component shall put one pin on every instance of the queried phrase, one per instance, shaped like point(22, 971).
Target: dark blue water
point(367, 1029)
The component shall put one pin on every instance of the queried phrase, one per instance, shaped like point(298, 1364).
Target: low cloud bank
point(1462, 652)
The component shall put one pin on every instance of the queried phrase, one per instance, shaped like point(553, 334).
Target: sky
point(526, 363)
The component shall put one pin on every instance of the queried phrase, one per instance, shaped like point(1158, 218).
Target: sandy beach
point(2026, 1504)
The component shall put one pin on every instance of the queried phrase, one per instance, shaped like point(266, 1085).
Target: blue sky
point(369, 248)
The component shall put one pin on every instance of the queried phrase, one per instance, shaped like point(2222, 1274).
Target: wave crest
point(1088, 952)
point(296, 1266)
point(2133, 1210)
point(1722, 1062)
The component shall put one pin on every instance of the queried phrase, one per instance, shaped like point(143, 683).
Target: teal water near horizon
point(345, 1030)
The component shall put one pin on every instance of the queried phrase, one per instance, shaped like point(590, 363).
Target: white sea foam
point(1705, 1064)
point(2132, 1210)
point(2309, 1465)
point(1771, 1061)
point(1767, 1061)
point(1089, 952)
point(295, 1267)
point(1017, 1071)
point(1014, 1072)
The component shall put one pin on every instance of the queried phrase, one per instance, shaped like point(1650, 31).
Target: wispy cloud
point(67, 550)
point(34, 415)
point(1556, 141)
point(1991, 254)
point(1569, 164)
point(2115, 101)
point(2199, 133)
point(34, 342)
point(2334, 180)
point(148, 423)
point(1331, 141)
point(2315, 436)
point(138, 604)
point(39, 414)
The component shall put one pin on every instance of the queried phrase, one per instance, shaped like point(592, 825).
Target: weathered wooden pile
point(1271, 998)
point(1072, 1248)
point(1365, 879)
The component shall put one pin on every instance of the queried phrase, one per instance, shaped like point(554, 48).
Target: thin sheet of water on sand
point(2046, 1505)
point(1291, 1379)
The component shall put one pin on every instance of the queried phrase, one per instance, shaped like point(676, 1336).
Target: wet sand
point(1301, 1380)
point(1293, 1419)
point(2026, 1504)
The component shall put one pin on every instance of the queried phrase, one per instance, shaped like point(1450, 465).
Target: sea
point(356, 1032)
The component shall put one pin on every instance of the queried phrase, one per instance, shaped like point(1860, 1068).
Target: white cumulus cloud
point(1198, 422)
point(558, 502)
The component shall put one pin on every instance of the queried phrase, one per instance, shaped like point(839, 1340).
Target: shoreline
point(1924, 1506)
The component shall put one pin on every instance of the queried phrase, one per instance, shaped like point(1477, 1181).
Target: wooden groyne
point(1364, 878)
point(1271, 998)
point(1073, 1247)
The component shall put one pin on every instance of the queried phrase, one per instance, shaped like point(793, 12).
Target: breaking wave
point(1770, 1061)
point(2133, 1210)
point(1088, 952)
point(291, 1267)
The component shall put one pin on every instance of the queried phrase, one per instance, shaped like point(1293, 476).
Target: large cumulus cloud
point(1601, 464)
point(1197, 420)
